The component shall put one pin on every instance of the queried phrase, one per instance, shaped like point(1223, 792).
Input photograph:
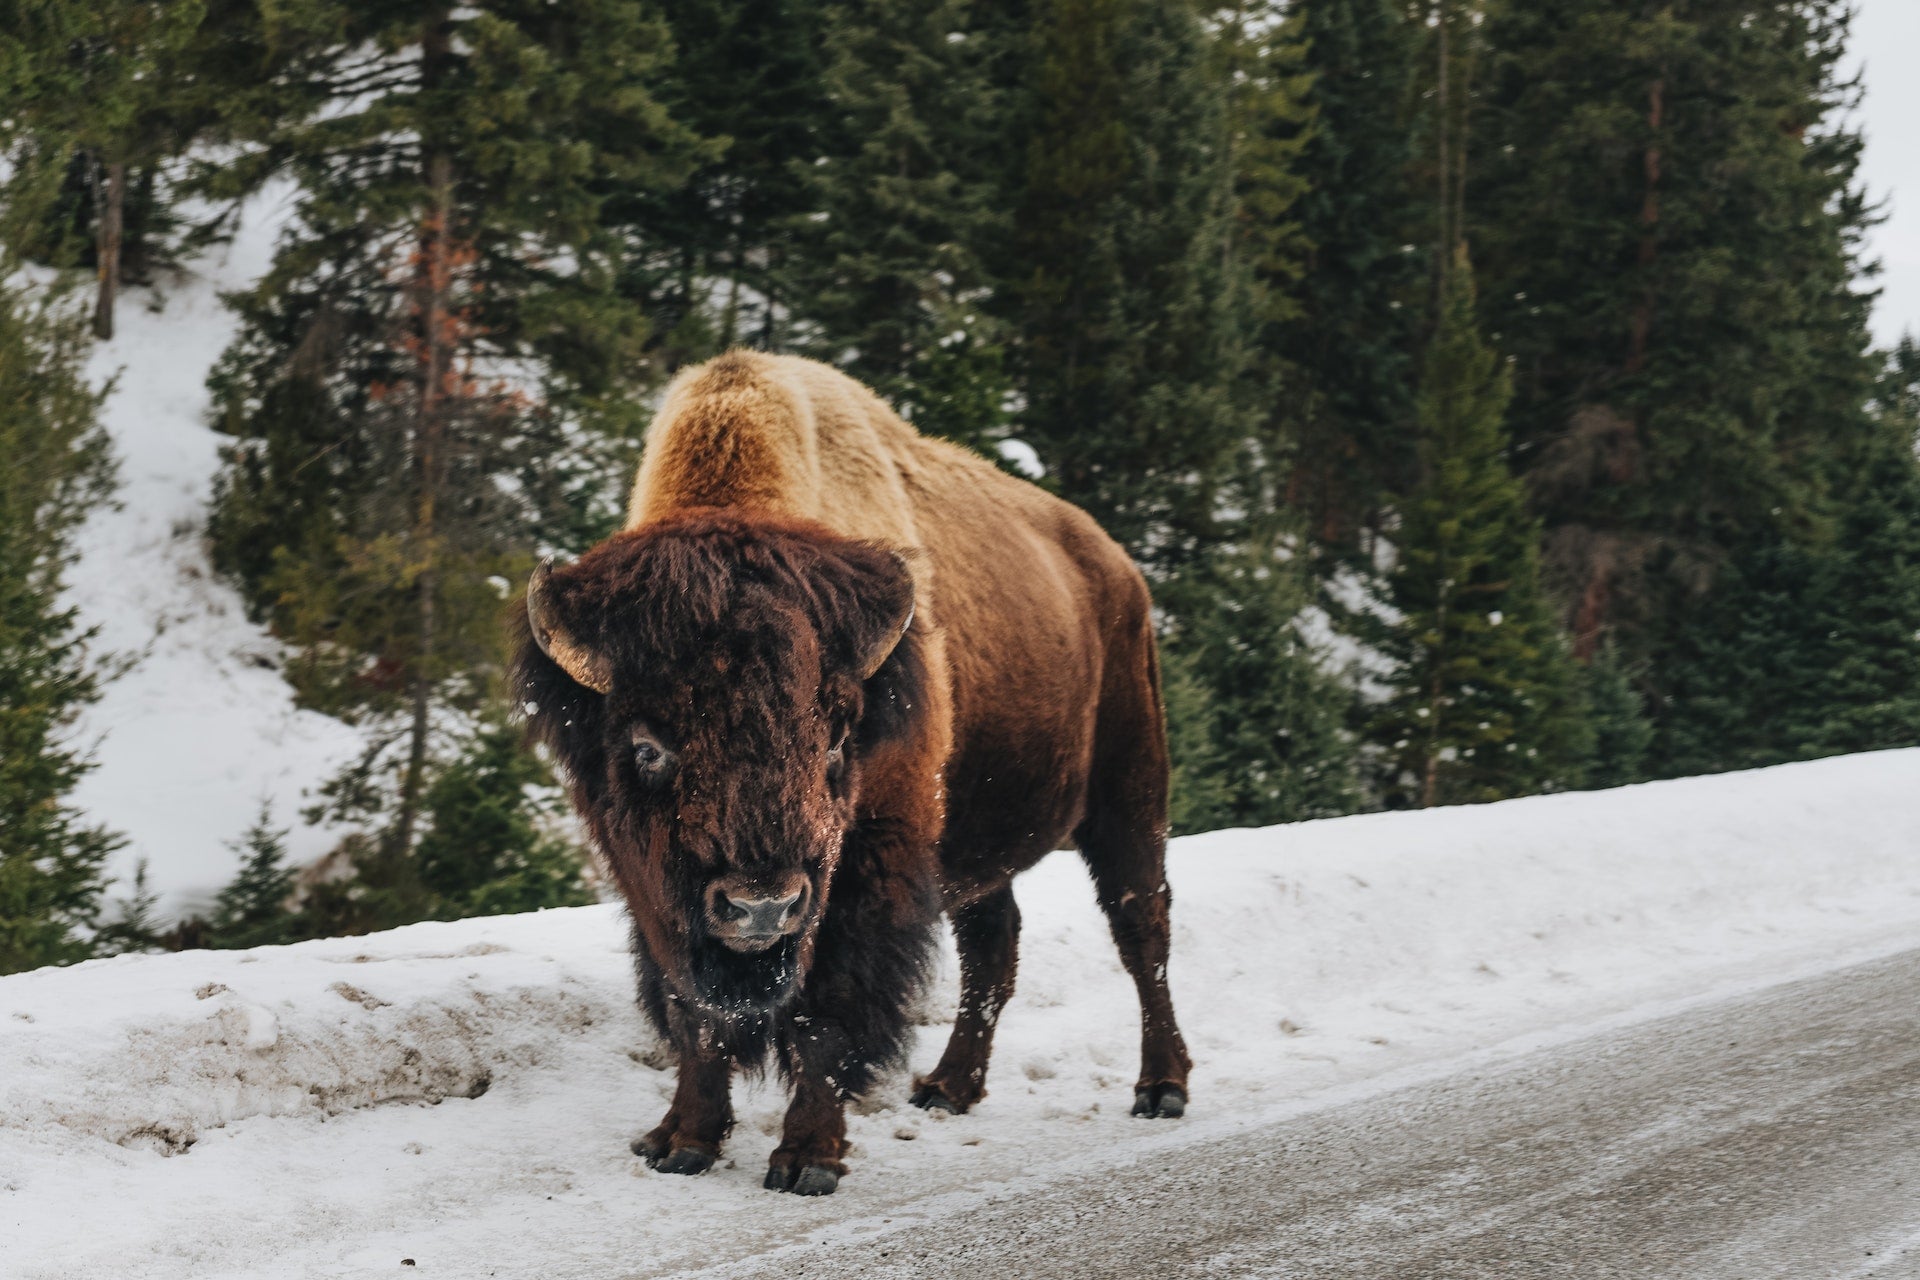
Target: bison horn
point(895, 631)
point(585, 666)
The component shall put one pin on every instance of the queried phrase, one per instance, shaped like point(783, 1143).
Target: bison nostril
point(756, 917)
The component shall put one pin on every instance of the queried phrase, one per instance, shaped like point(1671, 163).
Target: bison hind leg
point(1130, 880)
point(1123, 841)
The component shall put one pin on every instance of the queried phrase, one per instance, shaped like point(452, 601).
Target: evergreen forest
point(1484, 386)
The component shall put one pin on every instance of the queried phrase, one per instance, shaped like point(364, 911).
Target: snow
point(200, 729)
point(1022, 457)
point(462, 1094)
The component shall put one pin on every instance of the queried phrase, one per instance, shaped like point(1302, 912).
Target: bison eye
point(837, 753)
point(649, 756)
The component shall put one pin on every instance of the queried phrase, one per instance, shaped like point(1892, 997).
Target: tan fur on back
point(796, 438)
point(783, 435)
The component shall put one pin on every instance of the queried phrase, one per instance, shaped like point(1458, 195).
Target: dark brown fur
point(1019, 712)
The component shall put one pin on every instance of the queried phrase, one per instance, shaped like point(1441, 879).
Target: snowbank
point(220, 1114)
point(155, 1050)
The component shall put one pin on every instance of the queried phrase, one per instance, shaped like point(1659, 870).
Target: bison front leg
point(813, 1143)
point(871, 957)
point(987, 934)
point(688, 1139)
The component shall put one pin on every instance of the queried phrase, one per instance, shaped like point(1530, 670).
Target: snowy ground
point(200, 730)
point(461, 1094)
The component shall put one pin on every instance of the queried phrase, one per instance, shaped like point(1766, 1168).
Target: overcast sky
point(1886, 37)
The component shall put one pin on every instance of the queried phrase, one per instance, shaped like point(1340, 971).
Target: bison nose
point(752, 914)
point(761, 917)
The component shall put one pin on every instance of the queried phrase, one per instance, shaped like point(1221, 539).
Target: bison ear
point(883, 613)
point(586, 666)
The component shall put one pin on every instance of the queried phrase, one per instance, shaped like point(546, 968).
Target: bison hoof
point(1160, 1101)
point(687, 1160)
point(808, 1180)
point(931, 1097)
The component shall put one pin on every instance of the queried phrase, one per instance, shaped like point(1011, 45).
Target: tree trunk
point(113, 208)
point(1461, 85)
point(1642, 322)
point(731, 316)
point(432, 287)
point(1443, 125)
point(1593, 613)
point(1430, 770)
point(1590, 615)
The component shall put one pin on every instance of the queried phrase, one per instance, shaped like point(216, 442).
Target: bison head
point(710, 685)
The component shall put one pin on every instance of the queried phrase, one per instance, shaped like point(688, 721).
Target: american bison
point(832, 679)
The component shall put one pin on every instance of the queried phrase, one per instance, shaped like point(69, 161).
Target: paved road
point(1774, 1135)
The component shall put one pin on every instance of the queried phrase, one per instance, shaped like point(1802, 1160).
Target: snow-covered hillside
point(200, 729)
point(461, 1094)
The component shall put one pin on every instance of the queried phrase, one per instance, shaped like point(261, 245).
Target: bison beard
point(795, 749)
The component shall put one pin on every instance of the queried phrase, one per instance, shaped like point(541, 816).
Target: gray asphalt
point(1773, 1135)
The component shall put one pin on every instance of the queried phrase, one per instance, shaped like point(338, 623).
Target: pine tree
point(1664, 208)
point(491, 846)
point(380, 889)
point(1272, 717)
point(710, 258)
point(1867, 696)
point(1269, 121)
point(102, 93)
point(1807, 649)
point(1266, 121)
point(255, 908)
point(887, 276)
point(1125, 303)
point(488, 845)
point(1350, 347)
point(434, 378)
point(135, 928)
point(1485, 700)
point(1622, 730)
point(51, 860)
point(1201, 797)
